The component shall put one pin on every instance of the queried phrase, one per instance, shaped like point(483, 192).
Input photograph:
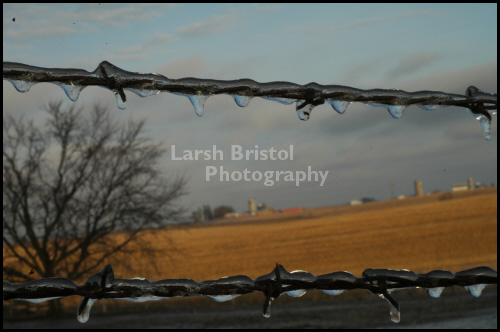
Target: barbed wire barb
point(104, 285)
point(306, 97)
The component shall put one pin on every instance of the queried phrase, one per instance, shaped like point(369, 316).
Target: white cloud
point(412, 64)
point(211, 26)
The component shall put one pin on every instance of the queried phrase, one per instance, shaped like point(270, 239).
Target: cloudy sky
point(411, 47)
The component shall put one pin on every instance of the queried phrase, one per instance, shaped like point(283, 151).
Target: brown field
point(417, 233)
point(437, 231)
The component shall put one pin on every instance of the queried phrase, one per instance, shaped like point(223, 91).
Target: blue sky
point(444, 47)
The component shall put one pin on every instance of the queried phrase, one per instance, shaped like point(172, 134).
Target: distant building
point(470, 184)
point(232, 215)
point(401, 197)
point(460, 187)
point(419, 189)
point(263, 209)
point(356, 202)
point(251, 207)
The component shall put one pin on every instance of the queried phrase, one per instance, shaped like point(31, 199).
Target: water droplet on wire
point(223, 298)
point(304, 113)
point(72, 91)
point(393, 311)
point(83, 312)
point(395, 110)
point(267, 313)
point(338, 105)
point(485, 124)
point(475, 290)
point(435, 292)
point(20, 85)
point(241, 101)
point(198, 101)
point(296, 293)
point(119, 101)
point(333, 291)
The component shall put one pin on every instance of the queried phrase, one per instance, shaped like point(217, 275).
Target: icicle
point(393, 311)
point(223, 298)
point(21, 86)
point(485, 124)
point(285, 101)
point(435, 292)
point(304, 112)
point(475, 290)
point(267, 312)
point(83, 312)
point(395, 110)
point(119, 101)
point(338, 105)
point(72, 91)
point(197, 100)
point(241, 101)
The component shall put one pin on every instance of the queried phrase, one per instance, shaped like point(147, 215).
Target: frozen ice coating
point(341, 275)
point(485, 124)
point(284, 101)
point(108, 76)
point(393, 311)
point(21, 86)
point(144, 92)
point(72, 91)
point(267, 310)
point(475, 290)
point(395, 110)
point(83, 312)
point(300, 275)
point(338, 105)
point(198, 101)
point(429, 107)
point(119, 101)
point(296, 293)
point(241, 101)
point(304, 110)
point(390, 275)
point(333, 292)
point(435, 292)
point(223, 298)
point(279, 281)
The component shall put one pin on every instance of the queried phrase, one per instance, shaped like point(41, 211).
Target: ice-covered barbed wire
point(306, 97)
point(103, 285)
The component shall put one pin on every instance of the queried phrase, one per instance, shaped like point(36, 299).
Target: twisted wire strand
point(107, 75)
point(103, 285)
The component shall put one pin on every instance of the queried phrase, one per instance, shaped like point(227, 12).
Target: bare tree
point(69, 185)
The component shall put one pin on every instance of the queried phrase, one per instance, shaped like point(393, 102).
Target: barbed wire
point(103, 285)
point(307, 96)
